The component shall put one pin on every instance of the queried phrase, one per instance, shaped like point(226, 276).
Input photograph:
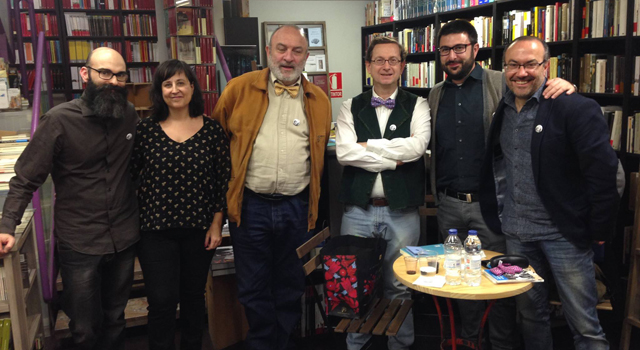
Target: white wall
point(343, 20)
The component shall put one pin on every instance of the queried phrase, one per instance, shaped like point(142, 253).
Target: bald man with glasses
point(86, 145)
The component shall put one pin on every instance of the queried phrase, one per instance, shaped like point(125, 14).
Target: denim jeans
point(175, 265)
point(400, 228)
point(96, 291)
point(269, 273)
point(572, 270)
point(464, 216)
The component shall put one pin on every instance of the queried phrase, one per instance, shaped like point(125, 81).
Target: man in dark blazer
point(548, 182)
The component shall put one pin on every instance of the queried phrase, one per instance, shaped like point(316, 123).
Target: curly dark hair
point(159, 108)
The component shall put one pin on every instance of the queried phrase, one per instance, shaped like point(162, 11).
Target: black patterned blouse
point(182, 184)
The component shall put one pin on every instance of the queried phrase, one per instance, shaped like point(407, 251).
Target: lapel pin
point(539, 129)
point(296, 122)
point(129, 136)
point(392, 127)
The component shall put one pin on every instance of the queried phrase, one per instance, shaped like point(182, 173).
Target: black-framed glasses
point(393, 61)
point(458, 49)
point(106, 74)
point(529, 66)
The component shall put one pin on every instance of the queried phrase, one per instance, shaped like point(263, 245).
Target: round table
point(487, 290)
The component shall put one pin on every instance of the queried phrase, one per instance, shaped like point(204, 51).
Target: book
point(415, 251)
point(6, 334)
point(527, 275)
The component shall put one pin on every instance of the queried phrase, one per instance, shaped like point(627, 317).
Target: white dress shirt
point(382, 154)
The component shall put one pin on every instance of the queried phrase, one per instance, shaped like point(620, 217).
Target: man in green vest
point(381, 138)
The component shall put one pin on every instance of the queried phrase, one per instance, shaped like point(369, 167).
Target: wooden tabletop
point(487, 290)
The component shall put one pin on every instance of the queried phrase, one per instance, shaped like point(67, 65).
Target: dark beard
point(465, 68)
point(106, 101)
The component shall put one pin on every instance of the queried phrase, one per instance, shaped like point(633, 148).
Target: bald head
point(105, 53)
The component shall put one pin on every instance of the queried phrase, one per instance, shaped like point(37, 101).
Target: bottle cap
point(473, 232)
point(453, 231)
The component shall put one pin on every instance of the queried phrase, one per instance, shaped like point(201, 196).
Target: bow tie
point(292, 90)
point(377, 101)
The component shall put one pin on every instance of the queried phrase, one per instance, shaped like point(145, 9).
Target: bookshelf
point(75, 27)
point(190, 38)
point(240, 58)
point(317, 67)
point(608, 45)
point(22, 287)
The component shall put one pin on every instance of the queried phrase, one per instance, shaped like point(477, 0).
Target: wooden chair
point(385, 316)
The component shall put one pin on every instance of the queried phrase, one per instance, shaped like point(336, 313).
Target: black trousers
point(96, 290)
point(175, 266)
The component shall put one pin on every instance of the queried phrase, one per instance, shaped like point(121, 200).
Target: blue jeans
point(400, 228)
point(269, 273)
point(463, 216)
point(572, 269)
point(175, 265)
point(96, 291)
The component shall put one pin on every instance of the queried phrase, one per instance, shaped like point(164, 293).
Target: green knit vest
point(403, 187)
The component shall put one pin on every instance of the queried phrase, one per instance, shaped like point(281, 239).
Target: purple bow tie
point(377, 101)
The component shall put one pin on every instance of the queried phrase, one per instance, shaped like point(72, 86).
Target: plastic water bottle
point(452, 260)
point(473, 259)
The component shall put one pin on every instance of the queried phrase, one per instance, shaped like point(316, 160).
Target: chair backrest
point(308, 246)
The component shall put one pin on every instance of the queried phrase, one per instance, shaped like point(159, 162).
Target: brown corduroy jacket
point(241, 110)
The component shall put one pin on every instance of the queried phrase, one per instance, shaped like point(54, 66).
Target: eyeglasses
point(529, 66)
point(106, 74)
point(380, 62)
point(458, 49)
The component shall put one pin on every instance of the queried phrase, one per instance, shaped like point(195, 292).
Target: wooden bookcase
point(190, 38)
point(317, 67)
point(24, 293)
point(144, 35)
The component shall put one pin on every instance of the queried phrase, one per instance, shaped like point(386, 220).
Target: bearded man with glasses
point(86, 146)
point(381, 139)
point(548, 183)
point(462, 107)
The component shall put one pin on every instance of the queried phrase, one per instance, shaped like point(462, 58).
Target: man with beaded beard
point(86, 146)
point(462, 108)
point(278, 125)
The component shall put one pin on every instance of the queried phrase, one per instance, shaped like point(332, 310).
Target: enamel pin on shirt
point(538, 128)
point(296, 122)
point(392, 127)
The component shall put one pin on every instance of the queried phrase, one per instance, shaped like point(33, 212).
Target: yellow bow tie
point(292, 90)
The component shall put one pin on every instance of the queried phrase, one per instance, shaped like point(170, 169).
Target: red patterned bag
point(353, 274)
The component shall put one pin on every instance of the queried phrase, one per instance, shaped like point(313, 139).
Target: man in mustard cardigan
point(278, 125)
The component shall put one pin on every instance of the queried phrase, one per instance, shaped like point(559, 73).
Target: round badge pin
point(538, 128)
point(129, 136)
point(296, 122)
point(392, 127)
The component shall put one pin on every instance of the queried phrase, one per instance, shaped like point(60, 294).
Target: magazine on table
point(527, 275)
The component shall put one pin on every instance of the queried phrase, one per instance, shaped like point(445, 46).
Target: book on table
point(415, 251)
